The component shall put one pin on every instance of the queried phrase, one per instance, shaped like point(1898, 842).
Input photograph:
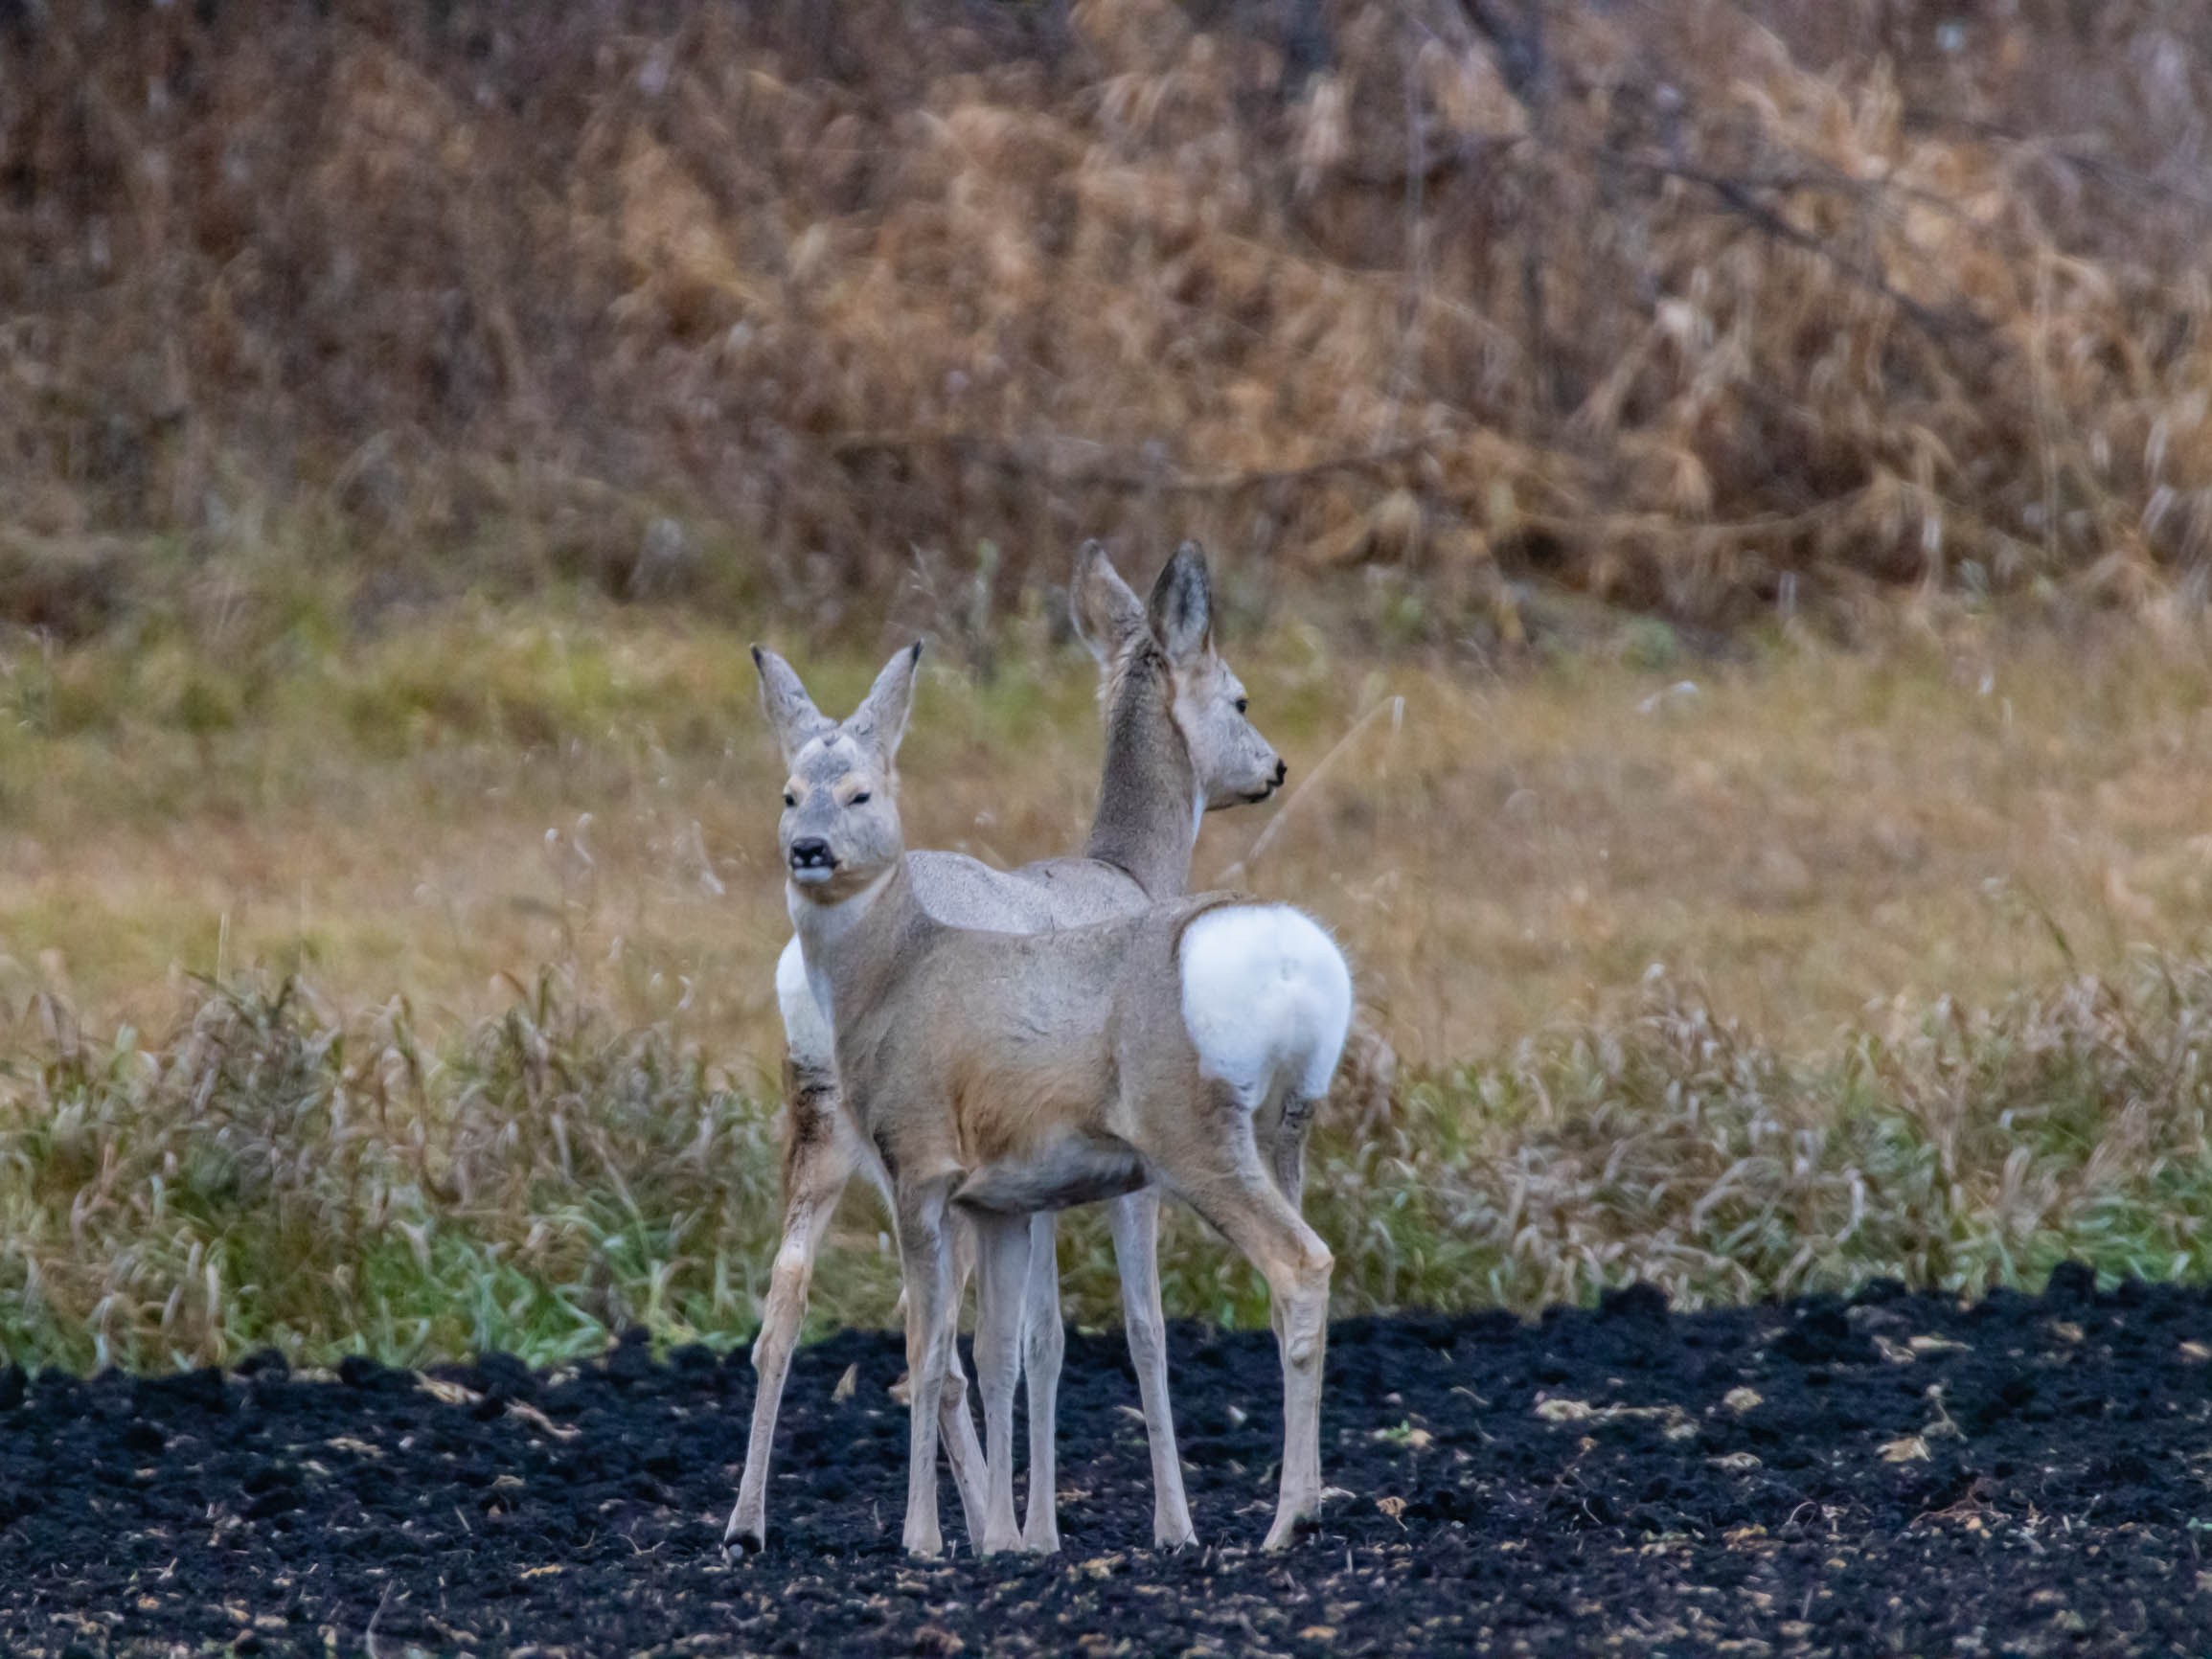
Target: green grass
point(273, 1174)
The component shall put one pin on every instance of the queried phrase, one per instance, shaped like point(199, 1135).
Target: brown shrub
point(1698, 308)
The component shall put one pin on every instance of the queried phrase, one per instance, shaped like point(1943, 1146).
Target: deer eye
point(790, 799)
point(859, 800)
point(1243, 703)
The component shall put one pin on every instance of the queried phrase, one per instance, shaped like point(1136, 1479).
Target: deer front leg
point(1045, 1345)
point(932, 1322)
point(962, 1452)
point(1003, 1244)
point(819, 1155)
point(1136, 1229)
point(956, 1428)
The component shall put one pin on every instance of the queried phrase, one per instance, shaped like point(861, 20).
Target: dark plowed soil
point(1897, 1474)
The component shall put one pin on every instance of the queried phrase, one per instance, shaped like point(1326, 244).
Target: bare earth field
point(1895, 1475)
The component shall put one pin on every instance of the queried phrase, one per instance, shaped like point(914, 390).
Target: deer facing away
point(1000, 1075)
point(1177, 744)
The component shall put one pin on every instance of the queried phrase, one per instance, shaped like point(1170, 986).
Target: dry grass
point(272, 1176)
point(1839, 850)
point(1710, 308)
point(440, 811)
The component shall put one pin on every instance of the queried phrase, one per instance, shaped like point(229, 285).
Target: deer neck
point(1149, 803)
point(851, 945)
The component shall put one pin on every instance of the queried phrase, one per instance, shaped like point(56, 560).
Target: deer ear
point(1182, 606)
point(880, 721)
point(792, 714)
point(1104, 611)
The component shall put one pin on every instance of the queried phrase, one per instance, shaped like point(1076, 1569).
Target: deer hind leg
point(1219, 1173)
point(1285, 1144)
point(1135, 1217)
point(820, 1154)
point(932, 1325)
point(1003, 1247)
point(1045, 1345)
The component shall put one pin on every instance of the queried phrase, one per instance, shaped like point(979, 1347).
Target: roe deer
point(1004, 1073)
point(1177, 745)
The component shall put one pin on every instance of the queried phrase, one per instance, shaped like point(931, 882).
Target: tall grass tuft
point(274, 1173)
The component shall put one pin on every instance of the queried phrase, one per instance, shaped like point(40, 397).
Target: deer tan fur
point(1000, 1075)
point(1177, 744)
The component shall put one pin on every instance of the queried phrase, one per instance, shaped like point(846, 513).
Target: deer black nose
point(1282, 771)
point(811, 854)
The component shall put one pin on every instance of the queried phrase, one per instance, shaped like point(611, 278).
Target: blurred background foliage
point(1763, 445)
point(1702, 308)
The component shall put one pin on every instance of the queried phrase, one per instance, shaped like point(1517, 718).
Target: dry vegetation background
point(1766, 447)
point(1702, 307)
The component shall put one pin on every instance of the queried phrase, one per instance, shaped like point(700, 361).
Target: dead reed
point(272, 1173)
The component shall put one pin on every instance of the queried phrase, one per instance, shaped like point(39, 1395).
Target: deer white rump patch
point(1266, 999)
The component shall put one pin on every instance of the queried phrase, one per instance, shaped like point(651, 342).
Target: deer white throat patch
point(821, 929)
point(807, 1031)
